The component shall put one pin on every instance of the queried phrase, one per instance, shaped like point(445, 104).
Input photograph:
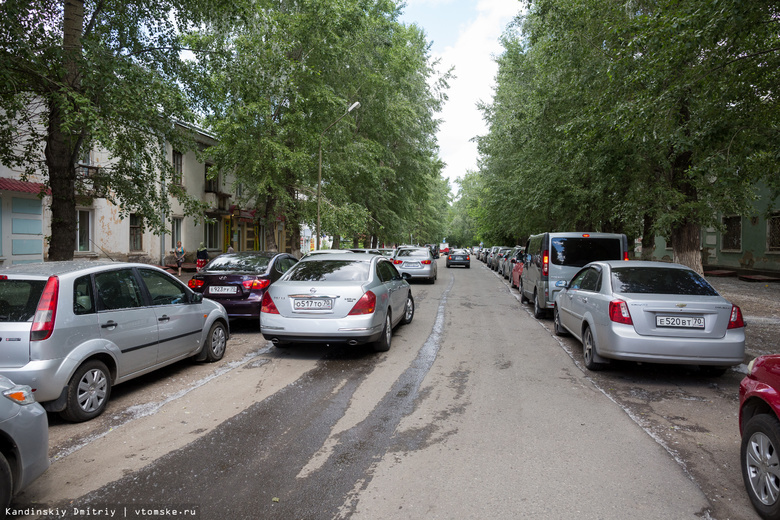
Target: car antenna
point(104, 251)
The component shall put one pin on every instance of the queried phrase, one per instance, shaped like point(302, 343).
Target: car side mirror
point(406, 276)
point(197, 297)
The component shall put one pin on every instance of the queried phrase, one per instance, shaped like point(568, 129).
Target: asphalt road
point(477, 411)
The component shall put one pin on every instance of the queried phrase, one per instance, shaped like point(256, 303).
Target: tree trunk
point(336, 241)
point(648, 237)
point(294, 229)
point(62, 147)
point(270, 224)
point(686, 242)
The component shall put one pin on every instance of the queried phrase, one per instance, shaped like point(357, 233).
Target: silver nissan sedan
point(352, 298)
point(650, 312)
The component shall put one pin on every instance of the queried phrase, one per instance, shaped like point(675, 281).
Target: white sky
point(464, 34)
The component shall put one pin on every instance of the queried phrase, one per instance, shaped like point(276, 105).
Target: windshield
point(660, 280)
point(413, 252)
point(329, 271)
point(578, 251)
point(238, 263)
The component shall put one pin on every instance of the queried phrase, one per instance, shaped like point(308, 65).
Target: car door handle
point(164, 317)
point(110, 324)
point(584, 300)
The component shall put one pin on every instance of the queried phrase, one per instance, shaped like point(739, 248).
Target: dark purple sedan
point(239, 280)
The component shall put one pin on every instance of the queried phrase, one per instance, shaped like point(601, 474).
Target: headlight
point(750, 365)
point(20, 394)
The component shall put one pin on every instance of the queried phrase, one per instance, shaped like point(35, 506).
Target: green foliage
point(276, 77)
point(607, 115)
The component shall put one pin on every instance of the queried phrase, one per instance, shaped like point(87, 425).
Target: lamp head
point(354, 105)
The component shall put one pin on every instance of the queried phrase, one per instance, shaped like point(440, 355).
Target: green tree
point(80, 75)
point(279, 74)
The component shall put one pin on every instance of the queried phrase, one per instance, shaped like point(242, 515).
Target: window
point(176, 231)
point(83, 230)
point(162, 289)
point(731, 238)
point(136, 233)
point(118, 290)
point(212, 180)
point(177, 167)
point(773, 232)
point(82, 296)
point(239, 190)
point(211, 235)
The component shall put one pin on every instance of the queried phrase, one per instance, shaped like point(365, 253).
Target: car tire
point(523, 297)
point(216, 342)
point(589, 351)
point(760, 442)
point(383, 344)
point(408, 310)
point(539, 312)
point(557, 327)
point(6, 482)
point(88, 392)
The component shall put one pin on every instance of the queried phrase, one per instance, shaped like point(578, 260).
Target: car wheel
point(539, 312)
point(589, 351)
point(6, 482)
point(759, 460)
point(88, 392)
point(383, 345)
point(559, 329)
point(216, 342)
point(523, 297)
point(408, 310)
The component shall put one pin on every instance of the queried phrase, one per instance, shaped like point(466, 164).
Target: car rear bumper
point(352, 329)
point(47, 378)
point(622, 342)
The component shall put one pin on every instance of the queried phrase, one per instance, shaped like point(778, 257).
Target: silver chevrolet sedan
point(649, 312)
point(352, 298)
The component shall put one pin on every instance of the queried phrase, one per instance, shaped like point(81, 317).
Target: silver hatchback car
point(72, 330)
point(353, 298)
point(417, 262)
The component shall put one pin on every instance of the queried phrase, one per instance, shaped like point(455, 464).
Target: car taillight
point(426, 262)
point(398, 262)
point(625, 256)
point(449, 257)
point(267, 305)
point(43, 323)
point(736, 321)
point(618, 312)
point(365, 305)
point(256, 284)
point(467, 257)
point(545, 263)
point(195, 283)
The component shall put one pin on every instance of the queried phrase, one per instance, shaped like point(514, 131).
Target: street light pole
point(352, 107)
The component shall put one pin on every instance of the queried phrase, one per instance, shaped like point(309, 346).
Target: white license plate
point(411, 264)
point(313, 304)
point(680, 321)
point(222, 289)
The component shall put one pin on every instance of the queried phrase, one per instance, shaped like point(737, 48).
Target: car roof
point(46, 269)
point(349, 255)
point(641, 263)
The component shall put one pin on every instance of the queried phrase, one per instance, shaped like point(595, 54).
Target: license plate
point(222, 289)
point(680, 321)
point(457, 257)
point(313, 304)
point(411, 264)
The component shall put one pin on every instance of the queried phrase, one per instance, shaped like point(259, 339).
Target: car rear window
point(578, 251)
point(659, 280)
point(19, 299)
point(329, 271)
point(414, 252)
point(251, 263)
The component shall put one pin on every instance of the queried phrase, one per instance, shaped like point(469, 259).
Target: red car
point(759, 408)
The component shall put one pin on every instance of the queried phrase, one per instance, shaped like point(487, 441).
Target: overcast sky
point(464, 34)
